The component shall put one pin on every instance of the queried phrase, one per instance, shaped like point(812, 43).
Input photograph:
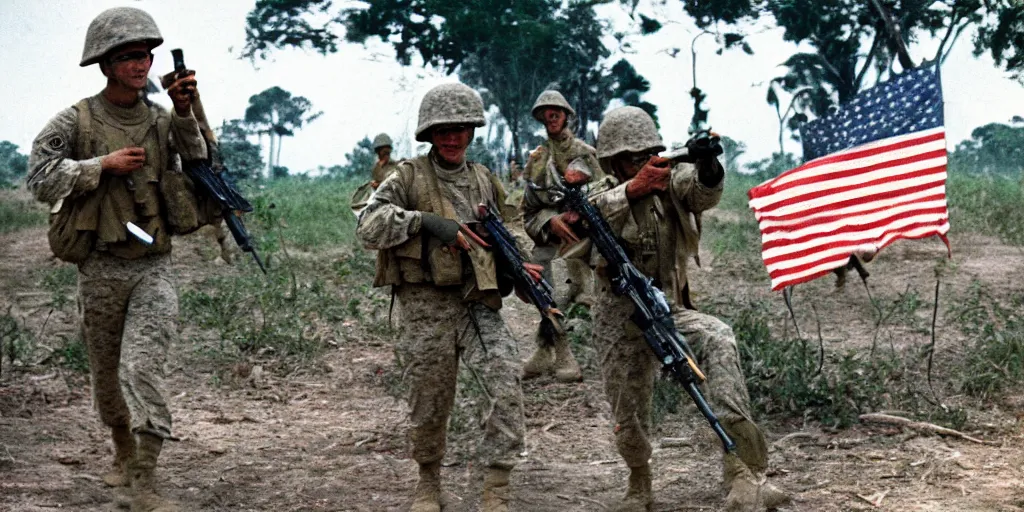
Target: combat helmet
point(627, 129)
point(551, 99)
point(449, 104)
point(115, 27)
point(381, 140)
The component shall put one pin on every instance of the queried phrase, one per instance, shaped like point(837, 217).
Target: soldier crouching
point(447, 286)
point(655, 209)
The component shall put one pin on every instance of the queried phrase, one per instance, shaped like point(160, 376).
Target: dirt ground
point(331, 437)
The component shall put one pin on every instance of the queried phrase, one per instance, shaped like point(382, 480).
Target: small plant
point(73, 354)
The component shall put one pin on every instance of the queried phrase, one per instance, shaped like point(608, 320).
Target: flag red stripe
point(796, 224)
point(773, 186)
point(852, 230)
point(846, 203)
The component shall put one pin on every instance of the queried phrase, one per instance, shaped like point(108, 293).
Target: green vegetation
point(20, 211)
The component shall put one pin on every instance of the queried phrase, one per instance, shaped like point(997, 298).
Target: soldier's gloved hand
point(704, 148)
point(653, 176)
point(446, 230)
point(560, 226)
point(576, 177)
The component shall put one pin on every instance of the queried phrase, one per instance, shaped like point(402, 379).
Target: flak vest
point(424, 258)
point(157, 201)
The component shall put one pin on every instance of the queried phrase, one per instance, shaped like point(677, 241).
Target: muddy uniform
point(381, 172)
point(129, 307)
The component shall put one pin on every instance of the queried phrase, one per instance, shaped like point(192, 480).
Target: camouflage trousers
point(129, 315)
point(629, 368)
point(572, 280)
point(438, 331)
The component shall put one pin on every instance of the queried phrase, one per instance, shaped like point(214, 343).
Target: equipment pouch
point(445, 263)
point(66, 241)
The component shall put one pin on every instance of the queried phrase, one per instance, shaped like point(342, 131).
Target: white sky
point(362, 91)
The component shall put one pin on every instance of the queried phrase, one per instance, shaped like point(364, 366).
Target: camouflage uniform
point(127, 301)
point(381, 172)
point(571, 278)
point(449, 302)
point(660, 233)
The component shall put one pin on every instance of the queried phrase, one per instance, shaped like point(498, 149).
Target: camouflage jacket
point(545, 162)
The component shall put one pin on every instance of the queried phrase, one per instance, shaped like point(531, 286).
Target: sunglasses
point(131, 57)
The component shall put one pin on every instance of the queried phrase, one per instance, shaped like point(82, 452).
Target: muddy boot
point(566, 369)
point(773, 497)
point(639, 497)
point(743, 488)
point(142, 471)
point(542, 361)
point(497, 493)
point(428, 490)
point(124, 452)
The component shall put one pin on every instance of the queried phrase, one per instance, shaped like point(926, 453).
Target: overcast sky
point(362, 91)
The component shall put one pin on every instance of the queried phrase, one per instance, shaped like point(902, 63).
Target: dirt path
point(330, 437)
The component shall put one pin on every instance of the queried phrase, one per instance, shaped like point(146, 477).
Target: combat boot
point(124, 452)
point(639, 496)
point(142, 473)
point(566, 369)
point(773, 497)
point(428, 490)
point(743, 488)
point(542, 361)
point(497, 493)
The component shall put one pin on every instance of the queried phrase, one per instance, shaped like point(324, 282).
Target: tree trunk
point(513, 125)
point(270, 157)
point(280, 142)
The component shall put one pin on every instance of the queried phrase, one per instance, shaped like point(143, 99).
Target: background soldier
point(550, 228)
point(385, 165)
point(109, 164)
point(656, 210)
point(447, 286)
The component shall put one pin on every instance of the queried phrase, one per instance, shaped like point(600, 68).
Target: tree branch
point(895, 36)
point(868, 61)
point(949, 32)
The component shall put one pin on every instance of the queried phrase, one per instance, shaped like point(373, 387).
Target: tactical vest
point(425, 258)
point(155, 200)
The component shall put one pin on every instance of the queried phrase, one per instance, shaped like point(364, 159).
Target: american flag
point(875, 172)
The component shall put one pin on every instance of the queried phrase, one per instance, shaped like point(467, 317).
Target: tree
point(358, 163)
point(854, 40)
point(768, 168)
point(276, 113)
point(732, 150)
point(13, 165)
point(242, 159)
point(993, 148)
point(507, 49)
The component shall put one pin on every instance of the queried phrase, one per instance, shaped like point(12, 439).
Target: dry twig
point(918, 425)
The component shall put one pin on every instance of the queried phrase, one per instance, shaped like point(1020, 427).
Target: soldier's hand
point(653, 176)
point(576, 177)
point(374, 184)
point(182, 92)
point(561, 226)
point(536, 271)
point(123, 161)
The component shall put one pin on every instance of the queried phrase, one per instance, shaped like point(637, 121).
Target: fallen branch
point(918, 425)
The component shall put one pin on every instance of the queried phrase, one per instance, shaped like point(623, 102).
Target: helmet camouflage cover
point(381, 140)
point(551, 99)
point(627, 129)
point(449, 104)
point(116, 27)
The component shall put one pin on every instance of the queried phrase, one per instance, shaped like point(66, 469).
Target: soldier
point(656, 210)
point(447, 286)
point(385, 166)
point(110, 169)
point(550, 228)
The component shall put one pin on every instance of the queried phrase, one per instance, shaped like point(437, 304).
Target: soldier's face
point(629, 164)
point(451, 142)
point(129, 65)
point(554, 120)
point(384, 153)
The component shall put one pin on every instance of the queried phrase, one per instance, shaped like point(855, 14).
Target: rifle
point(217, 186)
point(651, 314)
point(539, 293)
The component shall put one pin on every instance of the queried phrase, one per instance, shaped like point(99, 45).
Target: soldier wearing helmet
point(447, 285)
point(110, 169)
point(655, 208)
point(551, 229)
point(385, 165)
